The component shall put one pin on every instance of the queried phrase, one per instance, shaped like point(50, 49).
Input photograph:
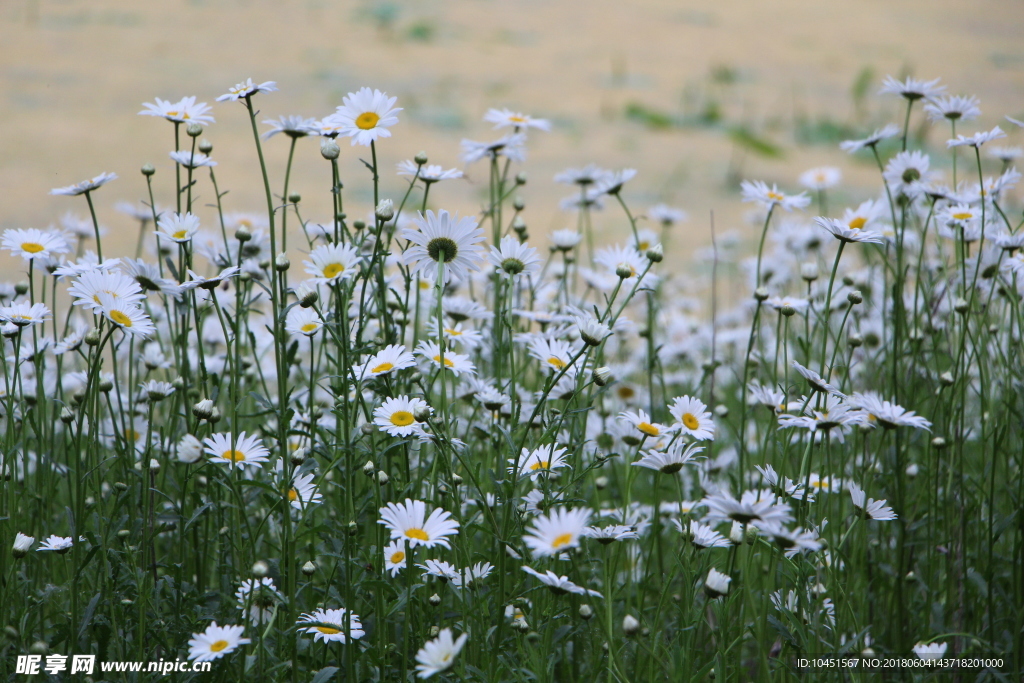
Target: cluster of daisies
point(529, 399)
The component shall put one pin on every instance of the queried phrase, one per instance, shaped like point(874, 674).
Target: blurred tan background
point(694, 94)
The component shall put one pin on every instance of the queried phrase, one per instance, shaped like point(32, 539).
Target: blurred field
point(654, 84)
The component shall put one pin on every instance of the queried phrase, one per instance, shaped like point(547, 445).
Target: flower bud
point(960, 306)
point(787, 310)
point(946, 379)
point(913, 470)
point(434, 600)
point(242, 234)
point(329, 149)
point(382, 478)
point(422, 413)
point(306, 296)
point(855, 297)
point(601, 483)
point(722, 411)
point(717, 584)
point(39, 648)
point(22, 544)
point(204, 409)
point(385, 210)
point(154, 465)
point(630, 626)
point(855, 339)
point(369, 468)
point(260, 569)
point(518, 203)
point(106, 385)
point(194, 130)
point(809, 272)
point(294, 197)
point(281, 263)
point(205, 146)
point(656, 254)
point(624, 270)
point(761, 294)
point(602, 376)
point(521, 178)
point(420, 158)
point(309, 568)
point(67, 416)
point(148, 170)
point(938, 443)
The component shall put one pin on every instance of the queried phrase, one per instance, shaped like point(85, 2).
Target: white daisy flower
point(611, 533)
point(768, 197)
point(953, 108)
point(292, 126)
point(394, 557)
point(515, 259)
point(22, 544)
point(366, 115)
point(565, 240)
point(246, 450)
point(60, 544)
point(506, 118)
point(427, 174)
point(693, 417)
point(815, 380)
point(215, 642)
point(257, 598)
point(670, 461)
point(907, 174)
point(887, 414)
point(702, 536)
point(177, 227)
point(332, 262)
point(976, 140)
point(85, 185)
point(304, 321)
point(591, 174)
point(409, 521)
point(559, 585)
point(642, 422)
point(87, 287)
point(511, 147)
point(717, 584)
point(191, 159)
point(752, 506)
point(930, 651)
point(303, 492)
point(666, 216)
point(554, 354)
point(190, 450)
point(246, 89)
point(871, 508)
point(397, 416)
point(888, 131)
point(557, 531)
point(538, 461)
point(185, 110)
point(23, 314)
point(31, 243)
point(458, 363)
point(444, 238)
point(155, 390)
point(128, 316)
point(439, 654)
point(445, 571)
point(331, 625)
point(844, 233)
point(617, 257)
point(912, 88)
point(821, 178)
point(389, 359)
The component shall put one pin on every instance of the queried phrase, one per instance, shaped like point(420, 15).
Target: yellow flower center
point(333, 269)
point(648, 429)
point(644, 246)
point(383, 367)
point(557, 362)
point(451, 332)
point(689, 421)
point(327, 630)
point(962, 216)
point(32, 247)
point(540, 465)
point(218, 646)
point(172, 113)
point(517, 119)
point(398, 557)
point(626, 392)
point(233, 455)
point(402, 418)
point(447, 361)
point(775, 196)
point(180, 235)
point(418, 534)
point(131, 434)
point(293, 495)
point(120, 318)
point(857, 223)
point(309, 327)
point(561, 540)
point(367, 120)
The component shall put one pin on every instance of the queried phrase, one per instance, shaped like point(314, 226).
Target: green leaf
point(325, 674)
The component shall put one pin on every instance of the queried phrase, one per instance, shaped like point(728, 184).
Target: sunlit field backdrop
point(511, 342)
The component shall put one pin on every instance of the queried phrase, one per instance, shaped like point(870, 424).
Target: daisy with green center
point(129, 317)
point(23, 314)
point(515, 259)
point(303, 321)
point(303, 492)
point(333, 262)
point(185, 110)
point(693, 417)
point(394, 557)
point(365, 116)
point(85, 186)
point(907, 174)
point(215, 642)
point(292, 126)
point(439, 654)
point(32, 243)
point(643, 423)
point(976, 140)
point(177, 227)
point(245, 451)
point(556, 532)
point(538, 461)
point(397, 416)
point(444, 238)
point(458, 363)
point(330, 625)
point(410, 523)
point(389, 359)
point(246, 89)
